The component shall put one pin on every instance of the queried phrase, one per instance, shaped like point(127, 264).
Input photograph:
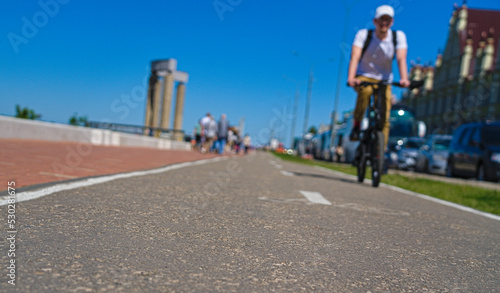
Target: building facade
point(464, 83)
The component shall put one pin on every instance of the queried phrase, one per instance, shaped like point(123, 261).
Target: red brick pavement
point(30, 162)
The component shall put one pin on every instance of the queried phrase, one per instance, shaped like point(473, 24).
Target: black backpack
point(369, 39)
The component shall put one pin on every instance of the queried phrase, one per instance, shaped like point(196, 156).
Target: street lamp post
point(339, 75)
point(309, 90)
point(308, 99)
point(295, 108)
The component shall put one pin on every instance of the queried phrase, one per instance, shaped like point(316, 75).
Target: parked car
point(475, 151)
point(433, 155)
point(407, 155)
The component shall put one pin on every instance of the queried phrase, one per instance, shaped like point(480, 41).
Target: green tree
point(313, 130)
point(78, 121)
point(26, 113)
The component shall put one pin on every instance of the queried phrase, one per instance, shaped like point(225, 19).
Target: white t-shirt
point(204, 123)
point(211, 128)
point(377, 60)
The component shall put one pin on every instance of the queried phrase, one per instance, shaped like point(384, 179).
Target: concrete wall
point(30, 129)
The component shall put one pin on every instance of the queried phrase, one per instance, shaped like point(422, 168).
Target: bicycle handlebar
point(413, 84)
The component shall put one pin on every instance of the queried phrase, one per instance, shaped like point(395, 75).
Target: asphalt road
point(243, 225)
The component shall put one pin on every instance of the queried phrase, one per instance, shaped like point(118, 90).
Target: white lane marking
point(422, 196)
point(443, 202)
point(285, 200)
point(287, 173)
point(352, 206)
point(29, 195)
point(315, 197)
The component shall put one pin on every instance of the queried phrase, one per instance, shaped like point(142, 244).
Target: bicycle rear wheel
point(377, 158)
point(361, 167)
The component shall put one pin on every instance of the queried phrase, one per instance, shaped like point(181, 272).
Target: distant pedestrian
point(339, 152)
point(211, 134)
point(222, 133)
point(204, 125)
point(247, 142)
point(238, 143)
point(197, 135)
point(231, 139)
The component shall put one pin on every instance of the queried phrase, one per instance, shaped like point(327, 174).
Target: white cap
point(384, 10)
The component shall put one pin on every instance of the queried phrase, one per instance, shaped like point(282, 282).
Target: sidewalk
point(30, 162)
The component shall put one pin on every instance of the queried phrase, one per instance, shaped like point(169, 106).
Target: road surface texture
point(245, 224)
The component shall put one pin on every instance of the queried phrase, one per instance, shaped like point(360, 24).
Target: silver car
point(407, 155)
point(433, 155)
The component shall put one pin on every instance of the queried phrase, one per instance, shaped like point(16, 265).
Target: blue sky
point(65, 56)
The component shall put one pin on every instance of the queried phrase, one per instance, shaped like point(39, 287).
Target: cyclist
point(371, 60)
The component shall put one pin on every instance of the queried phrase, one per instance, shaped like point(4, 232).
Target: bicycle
point(371, 147)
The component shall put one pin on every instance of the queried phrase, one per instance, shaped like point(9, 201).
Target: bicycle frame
point(372, 141)
point(375, 119)
point(371, 146)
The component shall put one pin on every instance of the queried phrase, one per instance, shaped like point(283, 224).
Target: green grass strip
point(478, 198)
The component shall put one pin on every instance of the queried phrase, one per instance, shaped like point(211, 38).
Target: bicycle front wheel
point(361, 162)
point(377, 158)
